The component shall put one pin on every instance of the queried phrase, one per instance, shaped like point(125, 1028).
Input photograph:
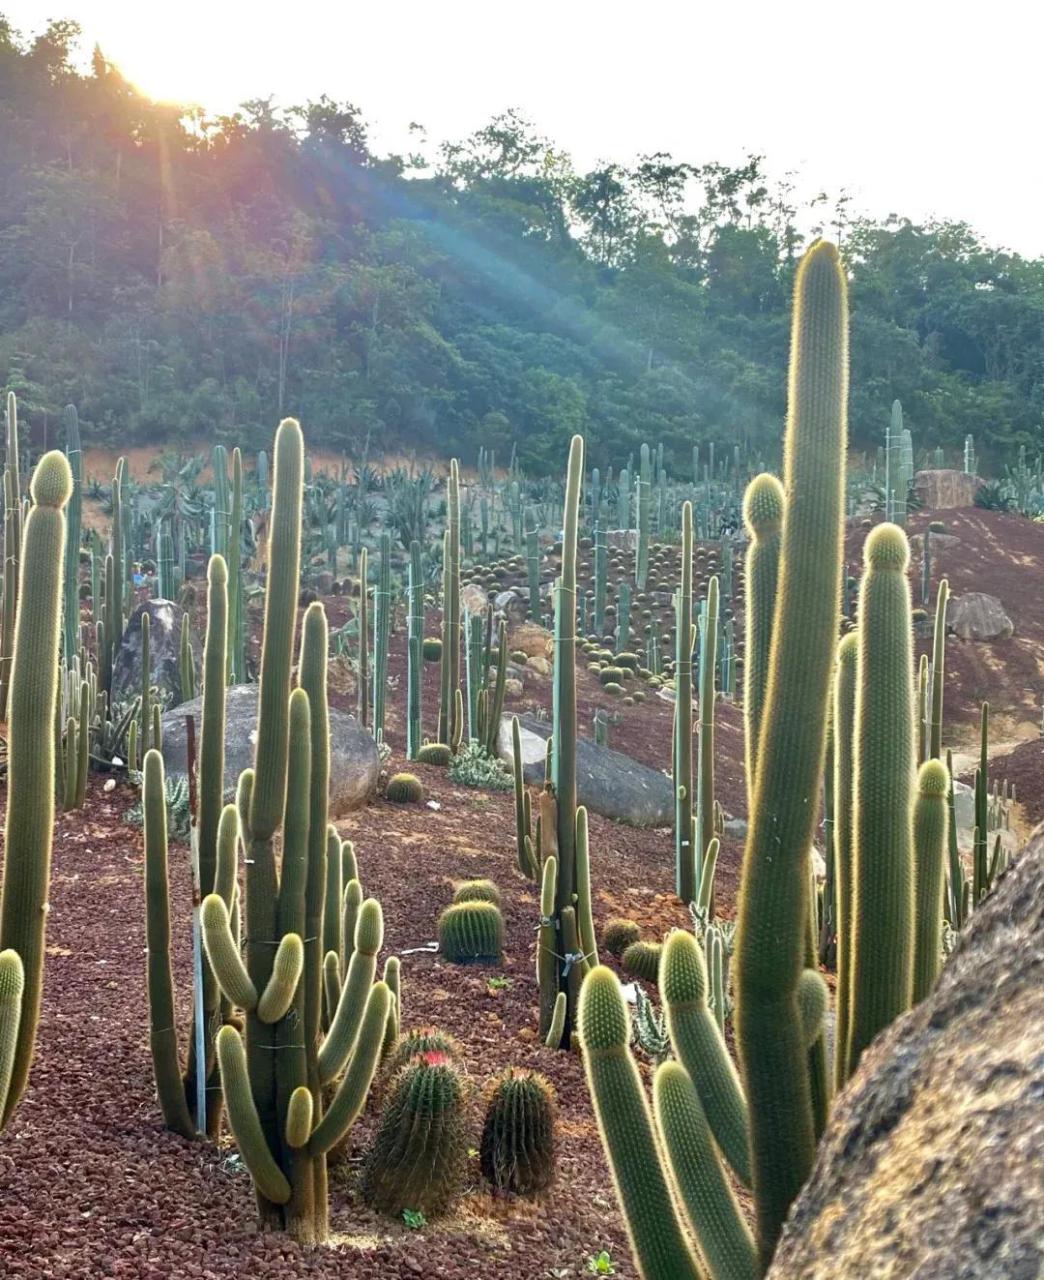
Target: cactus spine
point(773, 907)
point(29, 824)
point(883, 898)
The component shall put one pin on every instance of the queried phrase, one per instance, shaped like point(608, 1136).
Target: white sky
point(920, 107)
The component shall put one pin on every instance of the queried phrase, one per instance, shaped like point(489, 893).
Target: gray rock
point(474, 599)
point(511, 605)
point(622, 540)
point(943, 490)
point(354, 763)
point(978, 616)
point(608, 782)
point(164, 654)
point(930, 1165)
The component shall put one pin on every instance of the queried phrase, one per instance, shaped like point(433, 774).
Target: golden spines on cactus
point(763, 515)
point(243, 1118)
point(658, 1242)
point(299, 1112)
point(771, 932)
point(477, 891)
point(517, 1150)
point(286, 974)
point(31, 749)
point(471, 933)
point(340, 1040)
point(931, 825)
point(843, 729)
point(704, 1191)
point(223, 953)
point(12, 989)
point(698, 1042)
point(352, 1092)
point(882, 953)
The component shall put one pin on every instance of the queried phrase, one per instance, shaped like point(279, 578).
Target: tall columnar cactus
point(74, 454)
point(12, 550)
point(772, 927)
point(641, 563)
point(221, 511)
point(563, 751)
point(414, 652)
point(938, 672)
point(273, 1091)
point(843, 730)
point(186, 661)
point(930, 820)
point(684, 835)
point(163, 1030)
point(449, 725)
point(623, 618)
point(31, 762)
point(236, 658)
point(763, 516)
point(533, 565)
point(381, 635)
point(601, 565)
point(363, 666)
point(704, 832)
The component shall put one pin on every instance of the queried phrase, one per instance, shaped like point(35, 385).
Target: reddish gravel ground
point(94, 1187)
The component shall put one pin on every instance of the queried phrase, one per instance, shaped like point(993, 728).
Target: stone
point(539, 665)
point(532, 640)
point(937, 544)
point(511, 605)
point(354, 762)
point(474, 599)
point(622, 540)
point(608, 782)
point(513, 687)
point(930, 1164)
point(164, 654)
point(944, 490)
point(978, 616)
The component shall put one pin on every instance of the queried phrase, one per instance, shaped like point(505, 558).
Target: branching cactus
point(772, 925)
point(29, 826)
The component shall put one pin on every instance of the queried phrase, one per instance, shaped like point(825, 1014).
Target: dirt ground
point(93, 1186)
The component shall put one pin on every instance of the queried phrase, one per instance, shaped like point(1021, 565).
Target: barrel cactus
point(517, 1152)
point(405, 788)
point(471, 933)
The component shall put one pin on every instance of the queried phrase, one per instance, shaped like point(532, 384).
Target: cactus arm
point(813, 999)
point(621, 1109)
point(772, 924)
point(299, 1118)
point(287, 968)
point(700, 1046)
point(705, 745)
point(332, 981)
point(12, 990)
point(843, 729)
point(29, 825)
point(938, 671)
point(392, 979)
point(244, 1120)
point(584, 914)
point(352, 1092)
point(714, 1215)
point(223, 953)
point(362, 968)
point(547, 957)
point(226, 865)
point(763, 516)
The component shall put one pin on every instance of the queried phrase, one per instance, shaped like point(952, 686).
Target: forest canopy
point(177, 275)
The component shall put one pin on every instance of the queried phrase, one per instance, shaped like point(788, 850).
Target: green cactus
point(187, 661)
point(713, 1213)
point(643, 960)
point(381, 635)
point(843, 730)
point(414, 654)
point(405, 788)
point(450, 726)
point(12, 990)
point(883, 864)
point(477, 891)
point(236, 670)
point(363, 674)
point(419, 1042)
point(74, 454)
point(700, 1046)
point(938, 671)
point(930, 820)
point(763, 516)
point(641, 565)
point(29, 826)
point(435, 753)
point(617, 935)
point(471, 933)
point(704, 831)
point(685, 859)
point(517, 1150)
point(658, 1242)
point(339, 1044)
point(418, 1157)
point(772, 926)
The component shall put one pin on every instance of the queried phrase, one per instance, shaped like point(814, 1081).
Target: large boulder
point(930, 1165)
point(354, 762)
point(164, 654)
point(944, 489)
point(978, 616)
point(608, 782)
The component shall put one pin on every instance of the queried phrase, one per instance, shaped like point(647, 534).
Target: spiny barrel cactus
point(775, 888)
point(477, 891)
point(643, 960)
point(431, 649)
point(435, 753)
point(471, 933)
point(517, 1152)
point(418, 1157)
point(29, 826)
point(419, 1041)
point(405, 788)
point(883, 902)
point(618, 935)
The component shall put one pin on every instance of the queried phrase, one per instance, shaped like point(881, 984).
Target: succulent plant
point(436, 753)
point(643, 960)
point(517, 1152)
point(405, 788)
point(471, 933)
point(477, 891)
point(618, 935)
